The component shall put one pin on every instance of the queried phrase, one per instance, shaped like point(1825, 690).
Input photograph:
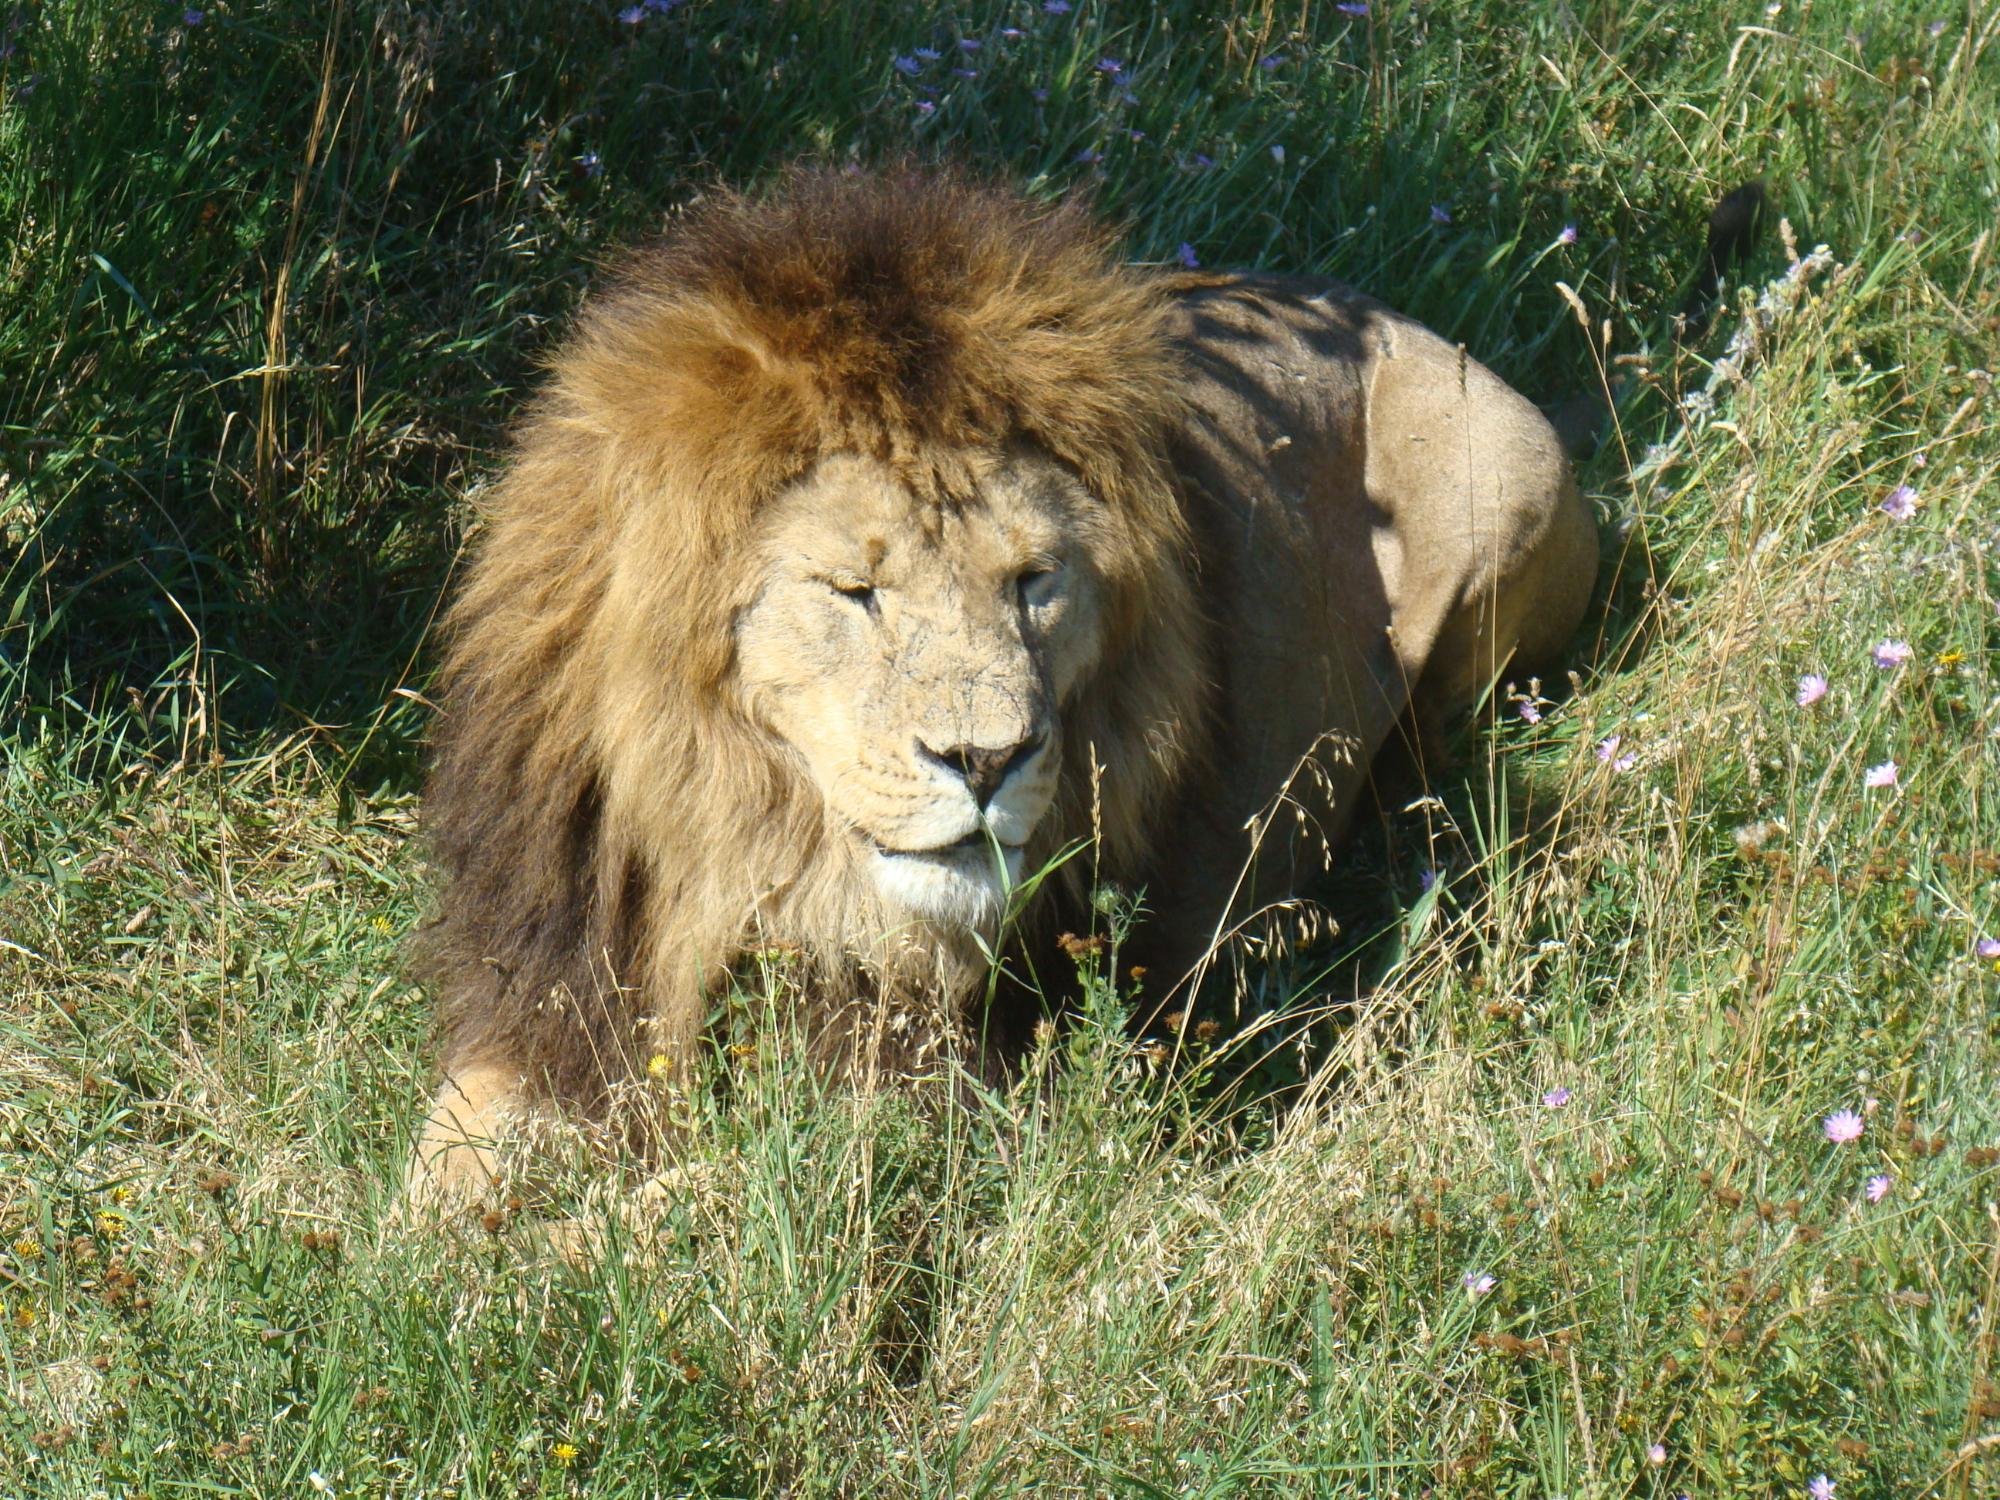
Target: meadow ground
point(1656, 1148)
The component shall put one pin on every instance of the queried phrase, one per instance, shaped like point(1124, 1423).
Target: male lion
point(875, 539)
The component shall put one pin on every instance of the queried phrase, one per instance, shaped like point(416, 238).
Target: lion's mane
point(613, 831)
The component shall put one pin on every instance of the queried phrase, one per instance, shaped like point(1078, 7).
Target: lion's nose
point(983, 767)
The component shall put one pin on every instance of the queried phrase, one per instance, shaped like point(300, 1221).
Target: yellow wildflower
point(110, 1225)
point(564, 1453)
point(657, 1066)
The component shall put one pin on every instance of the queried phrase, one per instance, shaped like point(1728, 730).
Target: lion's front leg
point(456, 1158)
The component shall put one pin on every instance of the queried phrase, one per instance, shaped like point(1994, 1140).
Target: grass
point(276, 281)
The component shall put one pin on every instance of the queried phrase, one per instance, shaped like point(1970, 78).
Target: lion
point(879, 537)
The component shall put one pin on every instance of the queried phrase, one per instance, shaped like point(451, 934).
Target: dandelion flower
point(1878, 1187)
point(1878, 777)
point(1890, 654)
point(1900, 503)
point(1556, 1097)
point(1479, 1283)
point(1843, 1127)
point(564, 1453)
point(1812, 688)
point(1821, 1488)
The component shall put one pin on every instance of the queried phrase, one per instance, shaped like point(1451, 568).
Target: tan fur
point(855, 501)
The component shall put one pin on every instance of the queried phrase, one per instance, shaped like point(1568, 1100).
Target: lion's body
point(887, 533)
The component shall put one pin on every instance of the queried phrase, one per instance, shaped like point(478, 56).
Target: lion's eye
point(859, 590)
point(1034, 583)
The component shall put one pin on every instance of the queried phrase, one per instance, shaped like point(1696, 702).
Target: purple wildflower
point(1427, 880)
point(925, 107)
point(1877, 1187)
point(1040, 96)
point(1187, 257)
point(968, 44)
point(1843, 1127)
point(1821, 1488)
point(965, 72)
point(1135, 135)
point(1556, 1097)
point(659, 7)
point(632, 15)
point(1011, 33)
point(1877, 777)
point(1089, 157)
point(1987, 947)
point(1812, 688)
point(1354, 9)
point(191, 17)
point(1479, 1283)
point(1890, 654)
point(1111, 65)
point(1900, 503)
point(1936, 28)
point(907, 66)
point(1525, 707)
point(1607, 748)
point(925, 54)
point(591, 163)
point(1568, 235)
point(1274, 61)
point(1440, 214)
point(1200, 162)
point(1278, 153)
point(1657, 1454)
point(1056, 7)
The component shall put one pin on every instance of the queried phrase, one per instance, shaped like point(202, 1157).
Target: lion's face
point(917, 660)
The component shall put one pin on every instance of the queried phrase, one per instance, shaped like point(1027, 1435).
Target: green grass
point(274, 284)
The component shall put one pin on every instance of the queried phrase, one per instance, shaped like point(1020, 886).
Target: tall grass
point(276, 278)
